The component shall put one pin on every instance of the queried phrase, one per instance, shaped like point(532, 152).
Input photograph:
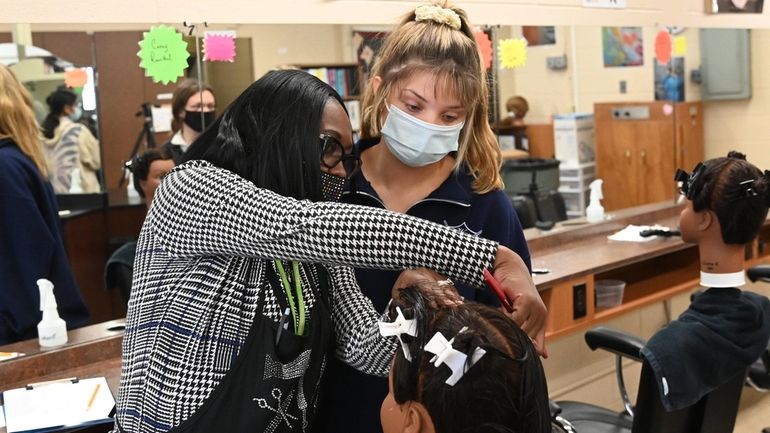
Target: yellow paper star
point(512, 53)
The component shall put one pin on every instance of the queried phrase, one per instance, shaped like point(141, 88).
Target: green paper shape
point(164, 54)
point(78, 90)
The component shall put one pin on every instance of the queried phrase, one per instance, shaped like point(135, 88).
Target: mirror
point(62, 86)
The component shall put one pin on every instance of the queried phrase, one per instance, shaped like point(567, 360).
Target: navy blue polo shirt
point(454, 204)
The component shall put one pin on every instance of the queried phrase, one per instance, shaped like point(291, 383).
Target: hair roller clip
point(748, 186)
point(437, 14)
point(401, 325)
point(453, 358)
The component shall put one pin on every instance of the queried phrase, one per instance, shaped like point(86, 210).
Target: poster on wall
point(539, 35)
point(622, 46)
point(734, 6)
point(366, 45)
point(669, 80)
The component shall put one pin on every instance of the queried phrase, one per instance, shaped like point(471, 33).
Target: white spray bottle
point(595, 211)
point(52, 330)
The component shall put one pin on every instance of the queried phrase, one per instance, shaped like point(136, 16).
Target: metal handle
point(628, 154)
point(644, 157)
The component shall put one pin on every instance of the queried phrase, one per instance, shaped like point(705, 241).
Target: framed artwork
point(669, 80)
point(539, 35)
point(366, 46)
point(734, 6)
point(622, 46)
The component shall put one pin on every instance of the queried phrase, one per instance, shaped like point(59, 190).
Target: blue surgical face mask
point(76, 115)
point(417, 143)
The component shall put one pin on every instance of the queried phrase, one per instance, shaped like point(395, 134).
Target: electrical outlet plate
point(556, 63)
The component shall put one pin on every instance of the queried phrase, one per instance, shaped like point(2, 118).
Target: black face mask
point(193, 119)
point(331, 186)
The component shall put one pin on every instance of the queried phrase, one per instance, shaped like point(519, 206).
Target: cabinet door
point(689, 135)
point(655, 161)
point(615, 155)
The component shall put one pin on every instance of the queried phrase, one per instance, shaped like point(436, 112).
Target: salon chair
point(714, 413)
point(759, 372)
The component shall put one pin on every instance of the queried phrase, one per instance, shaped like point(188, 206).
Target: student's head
point(281, 133)
point(504, 390)
point(62, 102)
point(188, 102)
point(430, 68)
point(729, 191)
point(148, 170)
point(17, 119)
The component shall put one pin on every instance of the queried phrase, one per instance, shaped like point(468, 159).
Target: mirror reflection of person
point(188, 102)
point(31, 244)
point(71, 148)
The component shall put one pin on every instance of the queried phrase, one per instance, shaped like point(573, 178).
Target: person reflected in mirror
point(460, 369)
point(31, 245)
point(71, 148)
point(726, 205)
point(427, 150)
point(194, 109)
point(148, 170)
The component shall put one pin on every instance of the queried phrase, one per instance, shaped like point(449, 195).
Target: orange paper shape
point(74, 78)
point(663, 47)
point(218, 48)
point(485, 47)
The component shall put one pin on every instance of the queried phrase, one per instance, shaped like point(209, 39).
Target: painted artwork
point(366, 46)
point(539, 35)
point(734, 6)
point(622, 46)
point(669, 80)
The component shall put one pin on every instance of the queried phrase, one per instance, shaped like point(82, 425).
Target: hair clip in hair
point(401, 325)
point(453, 358)
point(748, 186)
point(688, 180)
point(437, 14)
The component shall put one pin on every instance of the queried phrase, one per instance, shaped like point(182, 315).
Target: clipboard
point(58, 405)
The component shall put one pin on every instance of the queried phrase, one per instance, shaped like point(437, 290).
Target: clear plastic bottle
point(595, 210)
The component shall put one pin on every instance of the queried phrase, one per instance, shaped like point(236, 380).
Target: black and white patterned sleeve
point(359, 343)
point(202, 210)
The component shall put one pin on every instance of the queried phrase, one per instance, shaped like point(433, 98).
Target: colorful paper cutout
point(163, 54)
point(76, 77)
point(513, 53)
point(485, 47)
point(219, 47)
point(663, 47)
point(680, 46)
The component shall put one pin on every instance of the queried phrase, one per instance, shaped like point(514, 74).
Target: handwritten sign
point(163, 54)
point(219, 47)
point(512, 53)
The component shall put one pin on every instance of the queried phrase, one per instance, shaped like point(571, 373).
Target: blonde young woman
point(428, 151)
point(31, 246)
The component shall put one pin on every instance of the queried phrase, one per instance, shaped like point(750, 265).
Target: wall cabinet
point(640, 145)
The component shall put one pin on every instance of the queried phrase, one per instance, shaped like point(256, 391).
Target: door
point(689, 135)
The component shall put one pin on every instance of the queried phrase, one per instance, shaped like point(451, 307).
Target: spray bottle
point(52, 330)
point(595, 211)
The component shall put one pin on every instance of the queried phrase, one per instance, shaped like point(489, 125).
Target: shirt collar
point(178, 140)
point(733, 279)
point(456, 189)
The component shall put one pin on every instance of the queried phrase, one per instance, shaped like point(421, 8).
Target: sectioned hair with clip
point(734, 189)
point(472, 368)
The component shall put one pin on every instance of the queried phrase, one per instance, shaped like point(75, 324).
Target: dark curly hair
point(736, 191)
point(505, 391)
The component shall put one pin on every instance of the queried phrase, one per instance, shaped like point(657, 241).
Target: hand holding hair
point(437, 289)
point(529, 311)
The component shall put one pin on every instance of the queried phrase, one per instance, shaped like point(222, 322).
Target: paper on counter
point(631, 233)
point(4, 356)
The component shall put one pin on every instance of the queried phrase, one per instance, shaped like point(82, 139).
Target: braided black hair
point(504, 391)
point(737, 192)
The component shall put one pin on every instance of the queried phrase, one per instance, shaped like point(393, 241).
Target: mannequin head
point(149, 168)
point(502, 389)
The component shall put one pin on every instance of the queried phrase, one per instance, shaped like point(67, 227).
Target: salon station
point(595, 104)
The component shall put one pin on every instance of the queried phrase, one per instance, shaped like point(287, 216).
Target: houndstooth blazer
point(201, 262)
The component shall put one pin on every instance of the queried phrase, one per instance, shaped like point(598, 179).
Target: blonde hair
point(452, 56)
point(17, 119)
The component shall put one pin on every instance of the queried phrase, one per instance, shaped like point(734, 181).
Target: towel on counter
point(722, 332)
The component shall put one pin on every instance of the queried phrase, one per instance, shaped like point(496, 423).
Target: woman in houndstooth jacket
point(241, 284)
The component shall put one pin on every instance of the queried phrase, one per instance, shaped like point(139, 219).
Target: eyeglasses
point(332, 153)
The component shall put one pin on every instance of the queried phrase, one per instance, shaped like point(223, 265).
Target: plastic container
point(519, 173)
point(609, 293)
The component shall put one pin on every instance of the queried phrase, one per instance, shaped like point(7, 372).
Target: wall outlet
point(579, 302)
point(556, 63)
point(623, 86)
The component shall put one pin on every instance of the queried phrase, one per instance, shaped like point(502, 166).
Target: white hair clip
point(401, 325)
point(437, 14)
point(453, 358)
